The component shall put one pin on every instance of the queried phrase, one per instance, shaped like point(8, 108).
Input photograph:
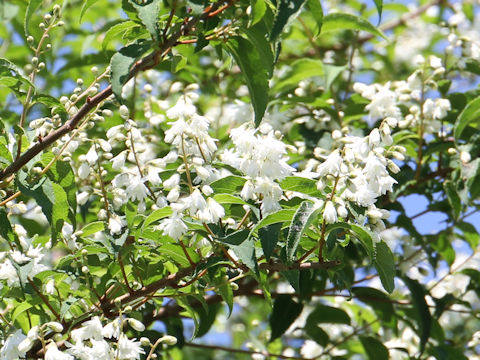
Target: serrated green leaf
point(343, 21)
point(7, 67)
point(385, 265)
point(360, 232)
point(279, 216)
point(256, 76)
point(50, 196)
point(226, 292)
point(468, 117)
point(316, 10)
point(32, 6)
point(55, 106)
point(24, 306)
point(256, 35)
point(374, 348)
point(121, 63)
point(286, 10)
point(157, 215)
point(421, 308)
point(302, 219)
point(285, 312)
point(117, 30)
point(148, 13)
point(86, 5)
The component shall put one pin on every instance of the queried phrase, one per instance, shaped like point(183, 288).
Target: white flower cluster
point(386, 100)
point(92, 341)
point(260, 155)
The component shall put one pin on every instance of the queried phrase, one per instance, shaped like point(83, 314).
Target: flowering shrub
point(225, 179)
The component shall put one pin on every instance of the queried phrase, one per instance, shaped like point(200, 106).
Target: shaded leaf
point(385, 265)
point(316, 10)
point(32, 6)
point(374, 348)
point(302, 219)
point(327, 314)
point(269, 237)
point(468, 117)
point(285, 312)
point(286, 9)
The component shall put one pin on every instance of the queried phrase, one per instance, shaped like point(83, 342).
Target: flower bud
point(124, 112)
point(135, 324)
point(55, 326)
point(168, 339)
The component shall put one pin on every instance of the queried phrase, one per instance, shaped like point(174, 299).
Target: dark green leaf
point(374, 348)
point(148, 13)
point(228, 185)
point(285, 312)
point(249, 60)
point(379, 6)
point(385, 265)
point(246, 253)
point(342, 21)
point(421, 309)
point(453, 198)
point(279, 216)
point(121, 63)
point(206, 318)
point(327, 314)
point(157, 215)
point(360, 232)
point(301, 185)
point(258, 11)
point(286, 10)
point(269, 237)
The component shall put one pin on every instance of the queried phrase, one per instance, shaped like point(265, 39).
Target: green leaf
point(85, 7)
point(453, 198)
point(249, 60)
point(301, 185)
point(117, 30)
point(374, 348)
point(421, 309)
point(228, 199)
point(50, 196)
point(226, 292)
point(246, 253)
point(327, 314)
point(228, 185)
point(343, 21)
point(316, 11)
point(378, 301)
point(385, 265)
point(360, 232)
point(157, 215)
point(286, 10)
point(269, 237)
point(206, 318)
point(468, 117)
point(331, 72)
point(121, 63)
point(279, 216)
point(256, 35)
point(302, 219)
point(93, 228)
point(300, 70)
point(55, 106)
point(5, 227)
point(285, 312)
point(379, 6)
point(148, 13)
point(32, 6)
point(259, 7)
point(6, 67)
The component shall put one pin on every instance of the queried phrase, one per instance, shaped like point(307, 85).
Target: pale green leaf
point(343, 21)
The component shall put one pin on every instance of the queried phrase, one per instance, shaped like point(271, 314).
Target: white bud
point(168, 339)
point(135, 324)
point(55, 326)
point(124, 112)
point(465, 157)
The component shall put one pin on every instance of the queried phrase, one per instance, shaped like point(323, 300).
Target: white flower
point(329, 213)
point(119, 161)
point(91, 329)
point(53, 353)
point(173, 227)
point(310, 349)
point(91, 156)
point(129, 349)
point(10, 350)
point(465, 157)
point(82, 197)
point(171, 182)
point(50, 287)
point(112, 329)
point(331, 165)
point(115, 224)
point(84, 170)
point(136, 190)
